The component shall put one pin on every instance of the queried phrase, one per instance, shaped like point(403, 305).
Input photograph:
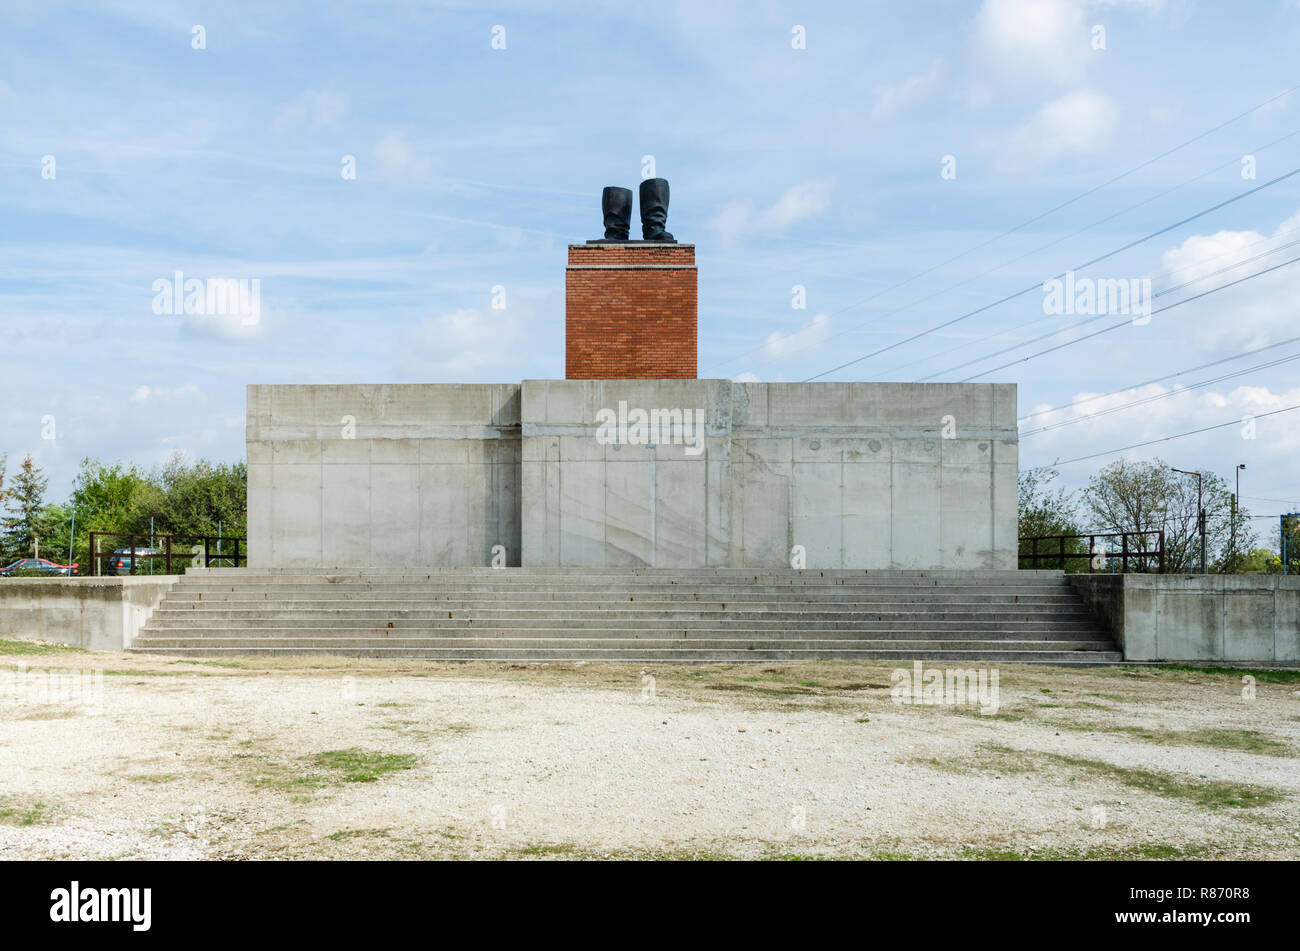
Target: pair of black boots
point(616, 203)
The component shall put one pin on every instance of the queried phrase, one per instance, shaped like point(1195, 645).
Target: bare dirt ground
point(326, 758)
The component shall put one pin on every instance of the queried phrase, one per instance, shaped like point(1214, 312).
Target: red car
point(43, 565)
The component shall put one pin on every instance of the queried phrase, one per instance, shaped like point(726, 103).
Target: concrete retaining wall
point(1229, 618)
point(96, 613)
point(860, 475)
point(382, 475)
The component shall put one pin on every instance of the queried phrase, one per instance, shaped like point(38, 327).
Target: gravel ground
point(195, 761)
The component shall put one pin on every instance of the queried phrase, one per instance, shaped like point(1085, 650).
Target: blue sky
point(818, 167)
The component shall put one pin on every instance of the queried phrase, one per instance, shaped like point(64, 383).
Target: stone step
point(632, 615)
point(558, 573)
point(617, 644)
point(624, 635)
point(189, 615)
point(924, 624)
point(182, 596)
point(630, 656)
point(600, 592)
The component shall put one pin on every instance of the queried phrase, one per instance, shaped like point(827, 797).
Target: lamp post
point(1235, 497)
point(1200, 511)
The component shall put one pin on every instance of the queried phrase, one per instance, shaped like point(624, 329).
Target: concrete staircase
point(632, 615)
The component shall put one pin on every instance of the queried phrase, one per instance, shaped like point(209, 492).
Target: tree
point(1148, 496)
point(21, 527)
point(1045, 513)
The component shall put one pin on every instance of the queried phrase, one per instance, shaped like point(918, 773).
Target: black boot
point(654, 210)
point(616, 203)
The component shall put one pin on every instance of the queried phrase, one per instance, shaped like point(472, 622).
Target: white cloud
point(144, 392)
point(1258, 312)
point(1276, 438)
point(802, 201)
point(1034, 39)
point(397, 159)
point(314, 107)
point(893, 98)
point(468, 340)
point(1080, 123)
point(810, 335)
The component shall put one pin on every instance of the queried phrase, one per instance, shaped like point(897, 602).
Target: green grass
point(1148, 851)
point(1264, 675)
point(344, 834)
point(323, 770)
point(1219, 738)
point(362, 766)
point(1208, 794)
point(25, 814)
point(37, 647)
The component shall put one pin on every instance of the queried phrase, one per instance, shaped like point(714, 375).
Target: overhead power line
point(1038, 284)
point(1129, 320)
point(1062, 205)
point(1152, 442)
point(1059, 330)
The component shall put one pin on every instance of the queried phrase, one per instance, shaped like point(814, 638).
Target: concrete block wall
point(861, 475)
point(385, 475)
point(95, 613)
point(1200, 618)
point(630, 311)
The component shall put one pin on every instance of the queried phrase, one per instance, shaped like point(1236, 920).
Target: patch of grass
point(154, 778)
point(361, 766)
point(28, 813)
point(987, 758)
point(1219, 738)
point(1264, 675)
point(37, 647)
point(323, 770)
point(345, 834)
point(1208, 794)
point(1151, 851)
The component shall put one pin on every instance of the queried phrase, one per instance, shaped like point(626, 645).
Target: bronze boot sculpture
point(616, 204)
point(654, 210)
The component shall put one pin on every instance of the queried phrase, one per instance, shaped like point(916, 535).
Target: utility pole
point(1200, 511)
point(1235, 497)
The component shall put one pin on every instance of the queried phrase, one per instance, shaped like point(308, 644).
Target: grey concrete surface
point(382, 475)
point(95, 613)
point(858, 475)
point(1229, 618)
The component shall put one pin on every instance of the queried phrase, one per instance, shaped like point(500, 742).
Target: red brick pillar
point(630, 312)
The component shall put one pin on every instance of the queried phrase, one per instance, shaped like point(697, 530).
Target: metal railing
point(174, 551)
point(1124, 554)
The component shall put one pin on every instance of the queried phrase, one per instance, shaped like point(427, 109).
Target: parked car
point(119, 563)
point(43, 565)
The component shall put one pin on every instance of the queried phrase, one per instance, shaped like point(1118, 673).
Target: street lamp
point(1235, 497)
point(1200, 511)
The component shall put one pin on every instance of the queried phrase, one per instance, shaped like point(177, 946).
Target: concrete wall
point(95, 613)
point(1229, 618)
point(415, 475)
point(861, 475)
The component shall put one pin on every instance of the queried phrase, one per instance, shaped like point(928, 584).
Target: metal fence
point(174, 552)
point(1131, 550)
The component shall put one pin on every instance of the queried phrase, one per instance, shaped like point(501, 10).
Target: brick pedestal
point(630, 312)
